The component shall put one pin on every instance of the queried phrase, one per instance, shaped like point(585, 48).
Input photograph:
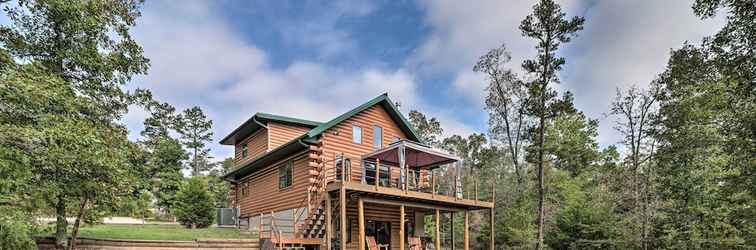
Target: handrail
point(315, 187)
point(274, 229)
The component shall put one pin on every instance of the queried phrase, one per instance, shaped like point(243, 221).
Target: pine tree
point(548, 26)
point(195, 130)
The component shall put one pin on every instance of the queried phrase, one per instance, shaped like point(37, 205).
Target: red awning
point(416, 155)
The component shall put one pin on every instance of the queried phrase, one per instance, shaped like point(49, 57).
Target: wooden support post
point(329, 227)
point(361, 222)
point(377, 172)
point(343, 168)
point(433, 182)
point(406, 178)
point(467, 230)
point(401, 227)
point(343, 218)
point(451, 218)
point(438, 229)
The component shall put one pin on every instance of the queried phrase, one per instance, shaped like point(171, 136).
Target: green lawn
point(156, 232)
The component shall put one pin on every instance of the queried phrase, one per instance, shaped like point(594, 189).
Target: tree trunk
point(545, 78)
point(61, 224)
point(79, 216)
point(539, 243)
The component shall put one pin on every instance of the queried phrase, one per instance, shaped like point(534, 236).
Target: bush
point(15, 230)
point(195, 205)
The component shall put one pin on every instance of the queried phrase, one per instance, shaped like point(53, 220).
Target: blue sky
point(317, 59)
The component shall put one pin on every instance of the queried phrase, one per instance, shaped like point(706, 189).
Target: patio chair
point(373, 245)
point(414, 243)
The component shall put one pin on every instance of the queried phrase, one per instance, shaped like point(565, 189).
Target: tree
point(429, 130)
point(505, 100)
point(547, 26)
point(571, 142)
point(195, 130)
point(636, 110)
point(219, 187)
point(707, 144)
point(164, 166)
point(195, 206)
point(79, 155)
point(165, 155)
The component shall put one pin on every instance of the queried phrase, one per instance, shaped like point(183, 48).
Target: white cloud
point(200, 61)
point(320, 31)
point(624, 42)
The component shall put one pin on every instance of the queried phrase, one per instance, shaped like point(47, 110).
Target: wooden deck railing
point(437, 182)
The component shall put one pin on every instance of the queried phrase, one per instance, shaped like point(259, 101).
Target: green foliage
point(571, 142)
point(195, 204)
point(505, 102)
point(585, 219)
point(15, 229)
point(220, 189)
point(164, 166)
point(429, 130)
point(707, 152)
point(195, 130)
point(64, 93)
point(546, 25)
point(85, 43)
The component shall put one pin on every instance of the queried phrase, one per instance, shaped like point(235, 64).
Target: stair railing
point(275, 231)
point(309, 204)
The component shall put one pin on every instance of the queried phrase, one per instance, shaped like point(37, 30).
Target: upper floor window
point(377, 137)
point(245, 150)
point(285, 175)
point(356, 134)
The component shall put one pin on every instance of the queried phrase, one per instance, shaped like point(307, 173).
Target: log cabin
point(362, 180)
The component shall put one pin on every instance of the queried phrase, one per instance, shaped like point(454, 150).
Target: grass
point(156, 232)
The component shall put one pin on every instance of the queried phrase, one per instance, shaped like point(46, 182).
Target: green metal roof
point(309, 137)
point(387, 104)
point(250, 126)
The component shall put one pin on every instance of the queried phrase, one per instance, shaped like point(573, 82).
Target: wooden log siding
point(264, 195)
point(338, 139)
point(280, 134)
point(257, 145)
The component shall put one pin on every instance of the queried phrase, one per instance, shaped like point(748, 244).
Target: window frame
point(356, 130)
point(288, 169)
point(377, 137)
point(245, 189)
point(244, 150)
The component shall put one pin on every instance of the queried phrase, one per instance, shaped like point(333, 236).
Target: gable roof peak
point(382, 100)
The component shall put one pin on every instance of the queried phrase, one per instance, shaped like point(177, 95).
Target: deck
point(409, 197)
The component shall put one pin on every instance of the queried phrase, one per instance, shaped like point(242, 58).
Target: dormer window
point(356, 134)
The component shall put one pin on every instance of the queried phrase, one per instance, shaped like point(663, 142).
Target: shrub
point(195, 205)
point(15, 230)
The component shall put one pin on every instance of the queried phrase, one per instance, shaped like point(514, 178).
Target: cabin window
point(377, 137)
point(356, 134)
point(285, 175)
point(245, 189)
point(244, 150)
